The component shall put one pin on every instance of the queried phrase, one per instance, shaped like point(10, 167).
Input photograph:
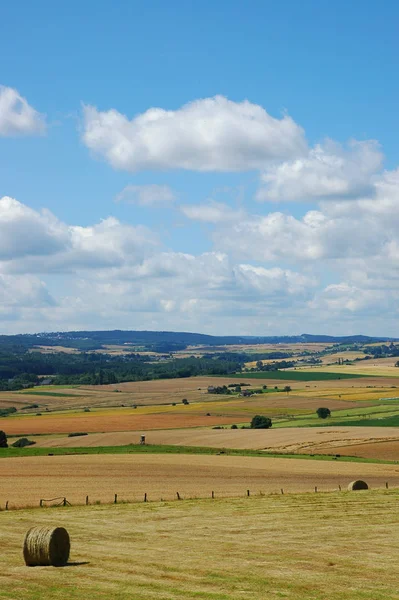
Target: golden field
point(335, 546)
point(27, 479)
point(314, 440)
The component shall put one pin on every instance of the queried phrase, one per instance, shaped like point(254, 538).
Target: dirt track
point(25, 480)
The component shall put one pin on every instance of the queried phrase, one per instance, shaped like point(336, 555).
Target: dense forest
point(19, 370)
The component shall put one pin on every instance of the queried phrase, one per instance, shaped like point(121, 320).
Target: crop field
point(316, 440)
point(24, 480)
point(286, 411)
point(383, 367)
point(302, 374)
point(380, 450)
point(301, 547)
point(152, 405)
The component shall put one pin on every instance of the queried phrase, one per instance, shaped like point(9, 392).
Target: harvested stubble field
point(302, 547)
point(27, 479)
point(107, 420)
point(315, 440)
point(383, 367)
point(375, 449)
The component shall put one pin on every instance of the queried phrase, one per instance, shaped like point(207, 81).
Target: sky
point(226, 167)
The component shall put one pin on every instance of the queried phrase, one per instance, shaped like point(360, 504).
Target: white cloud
point(211, 134)
point(17, 117)
point(333, 270)
point(24, 231)
point(212, 212)
point(147, 195)
point(329, 171)
point(23, 291)
point(38, 241)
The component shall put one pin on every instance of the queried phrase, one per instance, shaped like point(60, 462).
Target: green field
point(378, 415)
point(331, 546)
point(392, 421)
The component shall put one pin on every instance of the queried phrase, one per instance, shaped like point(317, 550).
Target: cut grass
point(168, 449)
point(302, 547)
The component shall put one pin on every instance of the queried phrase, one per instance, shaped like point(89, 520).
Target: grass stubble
point(302, 546)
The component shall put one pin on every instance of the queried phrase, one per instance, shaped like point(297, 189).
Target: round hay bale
point(45, 546)
point(357, 485)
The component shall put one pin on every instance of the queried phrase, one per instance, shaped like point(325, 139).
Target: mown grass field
point(25, 480)
point(301, 547)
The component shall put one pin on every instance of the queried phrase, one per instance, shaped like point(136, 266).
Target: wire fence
point(62, 501)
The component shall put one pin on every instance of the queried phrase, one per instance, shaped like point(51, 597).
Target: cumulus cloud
point(23, 291)
point(330, 171)
point(331, 270)
point(212, 212)
point(24, 231)
point(147, 195)
point(17, 117)
point(37, 241)
point(211, 134)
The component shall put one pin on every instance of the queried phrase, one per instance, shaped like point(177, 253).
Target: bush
point(323, 413)
point(22, 443)
point(185, 401)
point(261, 422)
point(234, 427)
point(86, 410)
point(3, 440)
point(76, 434)
point(4, 412)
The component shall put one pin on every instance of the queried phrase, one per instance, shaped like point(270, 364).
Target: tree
point(323, 412)
point(259, 364)
point(3, 440)
point(287, 389)
point(185, 401)
point(261, 422)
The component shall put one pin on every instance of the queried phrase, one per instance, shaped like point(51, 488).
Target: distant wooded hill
point(166, 341)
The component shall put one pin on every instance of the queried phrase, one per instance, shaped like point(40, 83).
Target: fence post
point(64, 502)
point(41, 502)
point(178, 496)
point(339, 487)
point(145, 497)
point(87, 500)
point(315, 489)
point(116, 499)
point(213, 494)
point(7, 505)
point(386, 485)
point(282, 491)
point(248, 493)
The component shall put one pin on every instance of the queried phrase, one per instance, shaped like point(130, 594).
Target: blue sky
point(270, 209)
